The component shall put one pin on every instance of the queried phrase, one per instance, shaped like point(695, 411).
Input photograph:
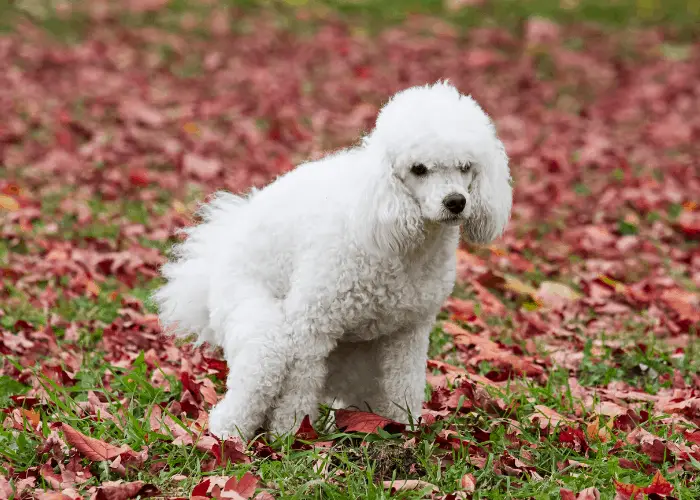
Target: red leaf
point(692, 436)
point(685, 304)
point(627, 464)
point(462, 310)
point(362, 421)
point(218, 365)
point(124, 491)
point(489, 303)
point(689, 223)
point(53, 479)
point(234, 452)
point(245, 486)
point(306, 432)
point(139, 177)
point(565, 494)
point(189, 384)
point(201, 489)
point(264, 495)
point(92, 448)
point(574, 439)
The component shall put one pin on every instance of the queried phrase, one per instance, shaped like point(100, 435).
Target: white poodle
point(324, 285)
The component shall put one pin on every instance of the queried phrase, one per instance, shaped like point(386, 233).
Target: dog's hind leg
point(256, 348)
point(385, 375)
point(353, 375)
point(316, 328)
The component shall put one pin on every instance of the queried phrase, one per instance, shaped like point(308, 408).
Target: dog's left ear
point(395, 224)
point(493, 198)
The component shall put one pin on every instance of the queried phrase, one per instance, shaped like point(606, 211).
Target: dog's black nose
point(455, 203)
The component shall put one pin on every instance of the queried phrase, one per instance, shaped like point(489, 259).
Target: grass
point(355, 471)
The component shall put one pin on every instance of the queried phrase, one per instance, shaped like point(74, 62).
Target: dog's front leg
point(402, 361)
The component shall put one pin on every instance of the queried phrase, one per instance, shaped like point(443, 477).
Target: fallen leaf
point(361, 421)
point(565, 494)
point(200, 167)
point(574, 439)
point(551, 294)
point(8, 203)
point(589, 494)
point(659, 486)
point(201, 489)
point(685, 304)
point(548, 417)
point(541, 31)
point(92, 448)
point(519, 287)
point(468, 483)
point(123, 491)
point(306, 432)
point(245, 486)
point(409, 485)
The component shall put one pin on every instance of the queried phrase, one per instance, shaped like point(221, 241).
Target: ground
point(564, 366)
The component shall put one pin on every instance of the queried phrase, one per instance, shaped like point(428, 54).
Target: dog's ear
point(493, 197)
point(395, 221)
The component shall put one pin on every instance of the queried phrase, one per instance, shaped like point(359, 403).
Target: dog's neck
point(431, 243)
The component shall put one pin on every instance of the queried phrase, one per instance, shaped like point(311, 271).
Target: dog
point(324, 285)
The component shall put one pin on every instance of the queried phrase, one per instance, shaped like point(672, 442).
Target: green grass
point(355, 471)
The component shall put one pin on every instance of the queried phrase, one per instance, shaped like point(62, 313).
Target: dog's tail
point(183, 301)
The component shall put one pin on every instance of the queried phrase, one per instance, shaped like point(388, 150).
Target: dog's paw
point(224, 425)
point(285, 421)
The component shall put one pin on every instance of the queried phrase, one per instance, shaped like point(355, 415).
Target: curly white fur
point(324, 285)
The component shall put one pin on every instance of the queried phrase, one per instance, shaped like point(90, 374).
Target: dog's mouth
point(452, 220)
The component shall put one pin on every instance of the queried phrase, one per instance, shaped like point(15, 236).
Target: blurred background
point(148, 105)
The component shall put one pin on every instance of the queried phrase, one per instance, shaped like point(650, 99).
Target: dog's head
point(444, 157)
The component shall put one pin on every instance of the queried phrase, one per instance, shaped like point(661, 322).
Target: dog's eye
point(419, 169)
point(465, 167)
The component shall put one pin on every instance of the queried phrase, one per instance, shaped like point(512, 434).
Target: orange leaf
point(659, 485)
point(8, 203)
point(31, 416)
point(628, 491)
point(92, 288)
